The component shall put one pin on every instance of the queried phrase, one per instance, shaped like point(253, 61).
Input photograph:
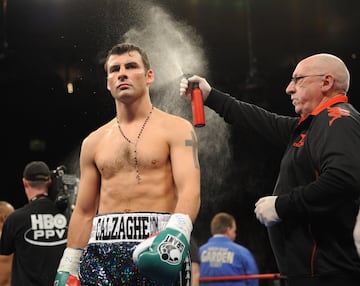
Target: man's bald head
point(329, 64)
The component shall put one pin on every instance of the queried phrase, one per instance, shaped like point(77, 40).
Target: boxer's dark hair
point(123, 48)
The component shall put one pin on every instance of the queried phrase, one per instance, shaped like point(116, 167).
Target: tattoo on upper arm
point(195, 147)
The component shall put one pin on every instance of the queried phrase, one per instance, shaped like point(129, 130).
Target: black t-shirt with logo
point(36, 234)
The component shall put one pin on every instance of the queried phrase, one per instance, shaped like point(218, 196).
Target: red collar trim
point(316, 111)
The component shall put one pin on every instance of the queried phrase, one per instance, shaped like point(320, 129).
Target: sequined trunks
point(107, 259)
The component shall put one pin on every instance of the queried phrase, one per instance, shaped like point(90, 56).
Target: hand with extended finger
point(160, 258)
point(266, 212)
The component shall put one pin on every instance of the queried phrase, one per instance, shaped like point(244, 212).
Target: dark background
point(249, 48)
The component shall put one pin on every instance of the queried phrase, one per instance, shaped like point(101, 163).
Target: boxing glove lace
point(161, 257)
point(67, 272)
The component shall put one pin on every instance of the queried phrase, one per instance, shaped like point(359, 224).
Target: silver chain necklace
point(138, 178)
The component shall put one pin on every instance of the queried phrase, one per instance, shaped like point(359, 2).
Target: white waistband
point(121, 227)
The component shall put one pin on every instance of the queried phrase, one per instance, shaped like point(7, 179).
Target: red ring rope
point(240, 277)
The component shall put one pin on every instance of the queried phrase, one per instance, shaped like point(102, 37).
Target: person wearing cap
point(36, 233)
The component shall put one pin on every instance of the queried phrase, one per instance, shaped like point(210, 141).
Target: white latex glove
point(265, 211)
point(357, 233)
point(185, 86)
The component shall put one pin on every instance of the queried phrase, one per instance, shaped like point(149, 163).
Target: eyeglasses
point(297, 78)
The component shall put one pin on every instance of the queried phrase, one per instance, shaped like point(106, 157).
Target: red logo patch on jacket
point(335, 113)
point(300, 142)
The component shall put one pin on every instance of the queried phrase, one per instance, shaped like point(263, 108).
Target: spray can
point(197, 103)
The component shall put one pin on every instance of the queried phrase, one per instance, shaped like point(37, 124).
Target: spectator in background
point(36, 233)
point(5, 260)
point(221, 256)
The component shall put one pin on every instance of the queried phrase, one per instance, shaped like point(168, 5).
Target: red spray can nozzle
point(197, 103)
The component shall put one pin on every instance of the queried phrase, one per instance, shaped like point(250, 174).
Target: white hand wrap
point(182, 223)
point(70, 261)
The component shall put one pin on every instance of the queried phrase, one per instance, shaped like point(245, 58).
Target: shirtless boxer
point(140, 178)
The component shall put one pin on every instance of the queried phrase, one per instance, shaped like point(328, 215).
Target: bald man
point(5, 260)
point(311, 214)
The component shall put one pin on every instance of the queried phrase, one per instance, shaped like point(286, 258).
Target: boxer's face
point(127, 77)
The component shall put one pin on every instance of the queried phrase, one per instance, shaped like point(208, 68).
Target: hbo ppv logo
point(47, 229)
